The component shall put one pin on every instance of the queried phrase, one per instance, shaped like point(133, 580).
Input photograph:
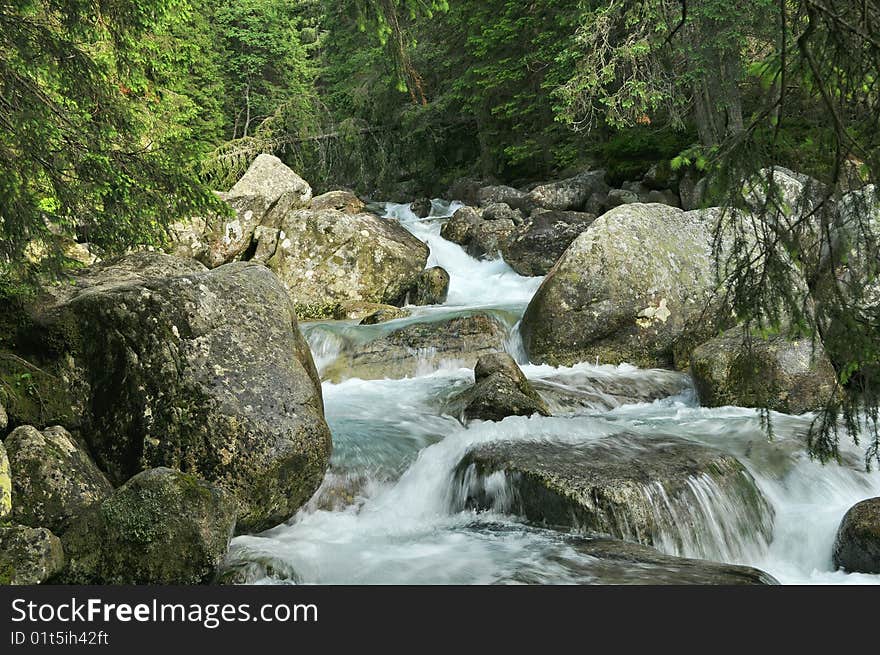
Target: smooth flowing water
point(391, 511)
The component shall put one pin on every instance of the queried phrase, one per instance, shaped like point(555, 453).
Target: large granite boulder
point(652, 491)
point(326, 258)
point(344, 201)
point(28, 556)
point(790, 376)
point(203, 371)
point(500, 390)
point(625, 290)
point(54, 481)
point(857, 546)
point(162, 527)
point(571, 194)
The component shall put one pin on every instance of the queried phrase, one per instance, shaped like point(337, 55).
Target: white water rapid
point(391, 511)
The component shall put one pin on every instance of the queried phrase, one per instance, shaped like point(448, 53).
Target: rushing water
point(392, 512)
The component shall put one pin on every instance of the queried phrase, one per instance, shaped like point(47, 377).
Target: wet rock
point(326, 258)
point(625, 290)
point(570, 194)
point(650, 490)
point(587, 390)
point(789, 376)
point(547, 236)
point(162, 527)
point(354, 311)
point(384, 315)
point(857, 546)
point(203, 371)
point(28, 556)
point(421, 207)
point(621, 562)
point(423, 346)
point(344, 201)
point(460, 227)
point(500, 390)
point(55, 482)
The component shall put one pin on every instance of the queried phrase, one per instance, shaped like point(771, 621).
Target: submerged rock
point(326, 258)
point(344, 201)
point(625, 290)
point(55, 482)
point(654, 491)
point(423, 346)
point(857, 546)
point(384, 314)
point(28, 556)
point(500, 390)
point(203, 371)
point(162, 527)
point(788, 376)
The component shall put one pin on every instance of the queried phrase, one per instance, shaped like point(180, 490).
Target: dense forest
point(621, 161)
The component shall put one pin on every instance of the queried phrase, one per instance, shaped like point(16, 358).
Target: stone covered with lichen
point(624, 291)
point(790, 376)
point(160, 527)
point(202, 371)
point(28, 556)
point(327, 257)
point(54, 480)
point(643, 489)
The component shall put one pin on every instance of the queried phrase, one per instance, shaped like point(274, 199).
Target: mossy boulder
point(647, 490)
point(624, 291)
point(461, 225)
point(857, 546)
point(28, 556)
point(162, 527)
point(431, 287)
point(5, 484)
point(54, 480)
point(326, 258)
point(790, 376)
point(500, 390)
point(202, 371)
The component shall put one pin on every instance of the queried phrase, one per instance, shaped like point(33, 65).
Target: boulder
point(625, 290)
point(344, 201)
point(663, 197)
point(267, 185)
point(570, 194)
point(692, 190)
point(356, 311)
point(500, 390)
point(789, 376)
point(203, 371)
point(618, 197)
point(464, 190)
point(162, 527)
point(651, 490)
point(423, 346)
point(661, 176)
point(4, 419)
point(28, 556)
point(491, 238)
point(431, 288)
point(55, 482)
point(546, 237)
point(460, 227)
point(857, 546)
point(326, 257)
point(508, 195)
point(499, 210)
point(5, 484)
point(421, 207)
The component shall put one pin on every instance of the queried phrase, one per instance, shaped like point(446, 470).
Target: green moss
point(7, 573)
